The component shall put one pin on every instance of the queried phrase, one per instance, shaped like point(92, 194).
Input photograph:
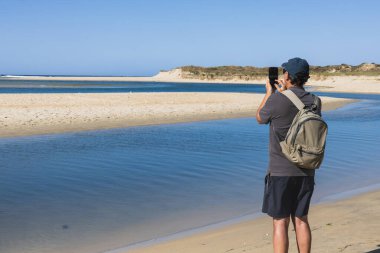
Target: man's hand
point(269, 92)
point(282, 87)
point(268, 87)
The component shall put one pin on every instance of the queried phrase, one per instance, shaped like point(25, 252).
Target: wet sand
point(30, 114)
point(350, 226)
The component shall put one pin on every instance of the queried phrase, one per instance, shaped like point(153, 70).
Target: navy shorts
point(287, 196)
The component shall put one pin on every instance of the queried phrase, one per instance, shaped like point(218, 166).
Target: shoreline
point(252, 232)
point(35, 114)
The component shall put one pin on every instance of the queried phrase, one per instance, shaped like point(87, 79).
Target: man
point(288, 188)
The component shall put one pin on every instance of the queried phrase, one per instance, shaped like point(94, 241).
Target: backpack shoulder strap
point(295, 100)
point(316, 101)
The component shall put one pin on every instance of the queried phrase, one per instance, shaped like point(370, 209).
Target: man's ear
point(287, 80)
point(286, 77)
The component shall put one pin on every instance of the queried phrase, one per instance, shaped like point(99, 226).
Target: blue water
point(100, 190)
point(21, 86)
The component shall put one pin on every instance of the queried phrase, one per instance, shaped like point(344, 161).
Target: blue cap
point(296, 67)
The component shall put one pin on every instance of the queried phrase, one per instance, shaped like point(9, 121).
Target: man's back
point(279, 111)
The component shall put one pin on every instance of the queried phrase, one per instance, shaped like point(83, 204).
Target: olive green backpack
point(305, 142)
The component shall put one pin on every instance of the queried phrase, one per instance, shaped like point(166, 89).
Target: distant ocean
point(101, 190)
point(24, 86)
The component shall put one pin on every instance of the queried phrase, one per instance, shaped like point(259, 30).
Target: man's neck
point(289, 86)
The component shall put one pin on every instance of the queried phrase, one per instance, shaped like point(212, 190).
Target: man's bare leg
point(303, 234)
point(280, 235)
point(295, 230)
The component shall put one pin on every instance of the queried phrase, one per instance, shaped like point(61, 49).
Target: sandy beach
point(29, 114)
point(348, 84)
point(351, 226)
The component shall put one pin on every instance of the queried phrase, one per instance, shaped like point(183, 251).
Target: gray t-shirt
point(279, 111)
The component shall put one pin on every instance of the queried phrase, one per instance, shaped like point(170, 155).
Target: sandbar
point(31, 114)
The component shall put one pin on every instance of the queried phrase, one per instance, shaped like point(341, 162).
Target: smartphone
point(273, 75)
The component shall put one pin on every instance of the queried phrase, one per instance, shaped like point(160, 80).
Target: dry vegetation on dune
point(223, 72)
point(253, 73)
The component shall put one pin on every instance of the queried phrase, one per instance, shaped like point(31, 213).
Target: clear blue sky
point(141, 37)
